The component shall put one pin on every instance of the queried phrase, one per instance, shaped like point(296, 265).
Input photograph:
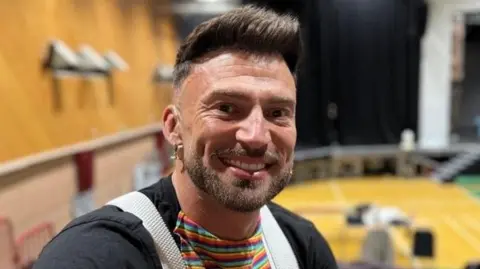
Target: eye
point(226, 108)
point(277, 113)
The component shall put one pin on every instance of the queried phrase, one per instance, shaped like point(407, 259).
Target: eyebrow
point(233, 94)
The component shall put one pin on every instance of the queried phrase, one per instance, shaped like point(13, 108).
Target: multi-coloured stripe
point(201, 249)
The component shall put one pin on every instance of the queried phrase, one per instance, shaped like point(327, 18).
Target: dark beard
point(240, 195)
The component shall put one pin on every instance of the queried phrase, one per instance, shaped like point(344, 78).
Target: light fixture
point(91, 61)
point(115, 61)
point(86, 63)
point(59, 57)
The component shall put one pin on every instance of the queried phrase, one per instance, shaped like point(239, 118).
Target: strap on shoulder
point(278, 248)
point(140, 205)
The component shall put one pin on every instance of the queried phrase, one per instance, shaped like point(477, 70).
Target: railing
point(377, 150)
point(117, 138)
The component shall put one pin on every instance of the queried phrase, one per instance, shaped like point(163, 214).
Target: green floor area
point(471, 183)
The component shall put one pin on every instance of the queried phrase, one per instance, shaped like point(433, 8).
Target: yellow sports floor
point(448, 210)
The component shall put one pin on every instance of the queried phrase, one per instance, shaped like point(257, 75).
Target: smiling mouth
point(250, 167)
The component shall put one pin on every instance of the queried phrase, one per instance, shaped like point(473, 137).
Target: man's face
point(238, 128)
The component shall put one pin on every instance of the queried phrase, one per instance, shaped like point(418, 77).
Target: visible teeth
point(246, 166)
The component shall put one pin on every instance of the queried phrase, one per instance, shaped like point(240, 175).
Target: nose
point(253, 133)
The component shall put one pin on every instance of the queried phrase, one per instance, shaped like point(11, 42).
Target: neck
point(208, 213)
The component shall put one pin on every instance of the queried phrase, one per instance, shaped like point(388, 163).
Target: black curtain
point(375, 81)
point(377, 88)
point(316, 75)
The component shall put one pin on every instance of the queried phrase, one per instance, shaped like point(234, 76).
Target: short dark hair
point(249, 29)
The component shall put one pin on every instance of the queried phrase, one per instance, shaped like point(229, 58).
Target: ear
point(171, 126)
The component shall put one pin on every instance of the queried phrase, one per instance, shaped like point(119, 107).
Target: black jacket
point(110, 238)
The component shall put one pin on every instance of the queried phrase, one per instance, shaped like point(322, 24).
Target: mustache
point(268, 156)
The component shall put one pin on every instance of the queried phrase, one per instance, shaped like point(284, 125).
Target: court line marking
point(458, 229)
point(471, 222)
point(469, 194)
point(337, 191)
point(431, 202)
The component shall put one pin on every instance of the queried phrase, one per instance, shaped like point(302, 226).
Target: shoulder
point(104, 238)
point(309, 245)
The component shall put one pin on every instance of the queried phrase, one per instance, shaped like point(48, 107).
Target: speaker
point(423, 243)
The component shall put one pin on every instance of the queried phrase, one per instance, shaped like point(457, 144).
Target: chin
point(247, 184)
point(244, 194)
point(243, 197)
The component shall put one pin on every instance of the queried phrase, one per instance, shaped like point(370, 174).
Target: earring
point(175, 151)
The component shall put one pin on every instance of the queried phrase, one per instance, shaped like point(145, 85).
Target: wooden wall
point(30, 120)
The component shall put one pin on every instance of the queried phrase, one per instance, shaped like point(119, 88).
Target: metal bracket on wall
point(87, 64)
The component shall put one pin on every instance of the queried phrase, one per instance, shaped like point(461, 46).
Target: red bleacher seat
point(30, 243)
point(8, 254)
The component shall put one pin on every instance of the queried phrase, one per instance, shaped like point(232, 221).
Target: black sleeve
point(320, 256)
point(98, 244)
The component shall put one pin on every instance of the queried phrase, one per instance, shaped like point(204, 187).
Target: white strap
point(278, 248)
point(141, 206)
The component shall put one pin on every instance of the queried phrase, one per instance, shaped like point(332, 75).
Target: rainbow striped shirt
point(201, 249)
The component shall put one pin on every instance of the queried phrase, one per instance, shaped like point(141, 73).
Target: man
point(232, 123)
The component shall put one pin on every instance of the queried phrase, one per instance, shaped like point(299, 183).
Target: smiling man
point(232, 122)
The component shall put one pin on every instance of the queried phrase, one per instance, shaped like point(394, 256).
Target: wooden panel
point(29, 119)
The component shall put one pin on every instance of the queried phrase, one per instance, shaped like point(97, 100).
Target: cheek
point(195, 140)
point(214, 135)
point(284, 141)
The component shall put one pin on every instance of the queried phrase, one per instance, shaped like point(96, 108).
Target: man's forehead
point(228, 68)
point(270, 62)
